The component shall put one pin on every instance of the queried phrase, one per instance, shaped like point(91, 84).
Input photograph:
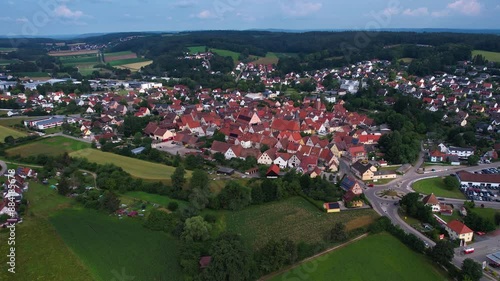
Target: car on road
point(370, 185)
point(480, 233)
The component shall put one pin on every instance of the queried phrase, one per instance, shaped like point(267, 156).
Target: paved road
point(3, 167)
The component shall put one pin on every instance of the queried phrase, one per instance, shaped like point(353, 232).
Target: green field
point(40, 252)
point(377, 257)
point(137, 168)
point(490, 56)
point(7, 50)
point(270, 58)
point(33, 74)
point(197, 49)
point(78, 60)
point(485, 213)
point(115, 54)
point(5, 132)
point(127, 61)
point(110, 247)
point(6, 62)
point(227, 53)
point(294, 218)
point(154, 198)
point(406, 60)
point(49, 146)
point(7, 122)
point(436, 186)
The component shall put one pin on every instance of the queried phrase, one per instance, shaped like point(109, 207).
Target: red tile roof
point(459, 227)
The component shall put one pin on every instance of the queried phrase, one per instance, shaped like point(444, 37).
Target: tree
point(63, 186)
point(473, 160)
point(451, 182)
point(4, 218)
point(443, 252)
point(497, 218)
point(196, 229)
point(230, 260)
point(199, 180)
point(275, 255)
point(471, 270)
point(9, 140)
point(110, 202)
point(337, 233)
point(234, 196)
point(199, 198)
point(173, 206)
point(159, 220)
point(178, 179)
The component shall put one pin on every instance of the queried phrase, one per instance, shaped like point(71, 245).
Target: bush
point(173, 206)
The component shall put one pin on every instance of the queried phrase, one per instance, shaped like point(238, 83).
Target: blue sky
point(52, 17)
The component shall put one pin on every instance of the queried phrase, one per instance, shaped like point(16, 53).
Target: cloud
point(390, 11)
point(296, 8)
point(440, 14)
point(22, 20)
point(65, 12)
point(423, 11)
point(184, 4)
point(466, 7)
point(497, 7)
point(205, 14)
point(5, 19)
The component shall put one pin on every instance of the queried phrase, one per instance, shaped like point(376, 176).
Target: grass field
point(7, 50)
point(110, 247)
point(41, 254)
point(485, 213)
point(136, 66)
point(197, 49)
point(270, 58)
point(33, 74)
point(49, 146)
point(14, 120)
point(227, 53)
point(6, 62)
point(116, 54)
point(294, 218)
point(127, 61)
point(154, 198)
point(406, 60)
point(436, 186)
point(377, 257)
point(137, 168)
point(5, 131)
point(490, 56)
point(72, 53)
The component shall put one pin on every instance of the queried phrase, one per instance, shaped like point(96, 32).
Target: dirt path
point(269, 276)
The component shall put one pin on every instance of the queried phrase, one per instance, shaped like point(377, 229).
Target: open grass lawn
point(376, 257)
point(406, 60)
point(436, 186)
point(227, 53)
point(294, 218)
point(490, 56)
point(110, 247)
point(197, 49)
point(137, 168)
point(154, 198)
point(5, 132)
point(270, 58)
point(83, 59)
point(40, 252)
point(50, 146)
point(485, 213)
point(7, 122)
point(127, 61)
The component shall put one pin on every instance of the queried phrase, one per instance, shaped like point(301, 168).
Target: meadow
point(5, 132)
point(376, 257)
point(53, 146)
point(152, 198)
point(197, 49)
point(226, 53)
point(436, 186)
point(294, 218)
point(135, 167)
point(490, 56)
point(270, 58)
point(123, 62)
point(136, 66)
point(109, 246)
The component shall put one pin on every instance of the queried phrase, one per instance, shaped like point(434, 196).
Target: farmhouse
point(478, 180)
point(458, 230)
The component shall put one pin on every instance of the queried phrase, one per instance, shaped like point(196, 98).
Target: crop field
point(127, 61)
point(137, 168)
point(72, 53)
point(376, 257)
point(136, 66)
point(490, 56)
point(7, 50)
point(270, 58)
point(111, 57)
point(406, 60)
point(80, 60)
point(294, 218)
point(4, 62)
point(49, 146)
point(109, 247)
point(52, 259)
point(436, 186)
point(197, 49)
point(5, 132)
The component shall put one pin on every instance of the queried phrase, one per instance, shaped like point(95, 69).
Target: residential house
point(431, 201)
point(363, 170)
point(350, 184)
point(458, 230)
point(356, 153)
point(333, 207)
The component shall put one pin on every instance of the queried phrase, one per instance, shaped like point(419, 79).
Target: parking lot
point(174, 148)
point(483, 192)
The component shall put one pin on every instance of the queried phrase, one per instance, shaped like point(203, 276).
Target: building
point(363, 170)
point(273, 172)
point(333, 207)
point(225, 171)
point(356, 153)
point(431, 201)
point(458, 230)
point(350, 184)
point(462, 153)
point(468, 179)
point(47, 123)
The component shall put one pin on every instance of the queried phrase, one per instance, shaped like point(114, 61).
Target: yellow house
point(364, 171)
point(332, 207)
point(335, 150)
point(458, 230)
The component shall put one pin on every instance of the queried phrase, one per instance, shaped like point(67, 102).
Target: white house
point(458, 230)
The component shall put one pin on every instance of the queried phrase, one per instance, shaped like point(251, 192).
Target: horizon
point(70, 17)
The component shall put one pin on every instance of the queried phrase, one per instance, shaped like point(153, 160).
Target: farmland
point(111, 57)
point(33, 74)
point(5, 131)
point(136, 66)
point(73, 53)
point(137, 168)
point(225, 53)
point(108, 246)
point(294, 218)
point(80, 60)
point(53, 259)
point(393, 261)
point(153, 198)
point(270, 58)
point(436, 186)
point(490, 56)
point(49, 146)
point(123, 62)
point(197, 49)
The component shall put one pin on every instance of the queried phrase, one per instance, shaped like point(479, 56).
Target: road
point(67, 136)
point(389, 208)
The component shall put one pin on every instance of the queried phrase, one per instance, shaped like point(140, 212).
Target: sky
point(60, 17)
